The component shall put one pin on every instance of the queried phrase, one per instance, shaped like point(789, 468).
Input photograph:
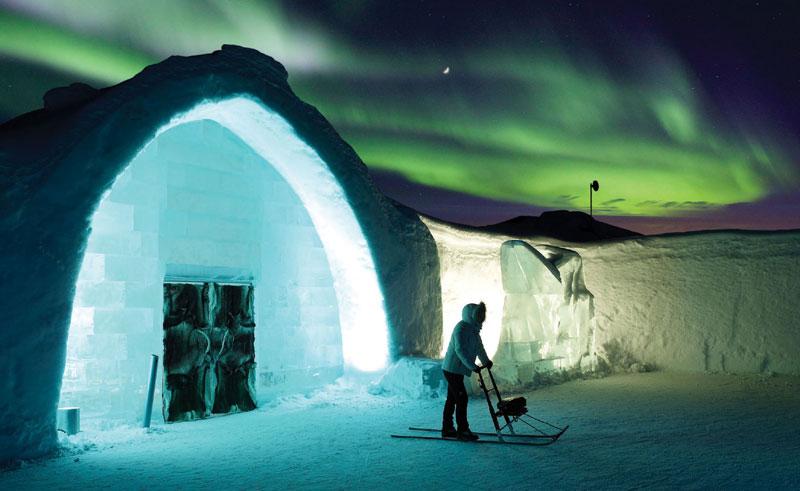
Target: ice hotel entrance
point(199, 170)
point(232, 255)
point(209, 355)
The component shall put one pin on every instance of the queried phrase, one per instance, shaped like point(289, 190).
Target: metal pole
point(489, 402)
point(499, 398)
point(151, 387)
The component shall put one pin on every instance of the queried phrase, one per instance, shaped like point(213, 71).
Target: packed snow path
point(642, 430)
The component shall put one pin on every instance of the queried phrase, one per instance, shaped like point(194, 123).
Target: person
point(465, 345)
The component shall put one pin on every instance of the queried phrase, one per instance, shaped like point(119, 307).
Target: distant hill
point(572, 226)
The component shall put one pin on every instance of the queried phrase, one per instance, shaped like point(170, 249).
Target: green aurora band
point(532, 126)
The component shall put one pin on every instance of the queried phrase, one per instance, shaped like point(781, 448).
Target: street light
point(594, 186)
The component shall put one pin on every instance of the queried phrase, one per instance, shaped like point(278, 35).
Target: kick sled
point(511, 411)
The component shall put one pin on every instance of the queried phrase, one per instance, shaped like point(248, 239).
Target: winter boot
point(467, 435)
point(449, 431)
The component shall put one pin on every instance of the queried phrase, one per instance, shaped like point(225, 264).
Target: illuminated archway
point(62, 159)
point(191, 207)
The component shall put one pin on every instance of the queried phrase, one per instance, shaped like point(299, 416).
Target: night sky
point(687, 112)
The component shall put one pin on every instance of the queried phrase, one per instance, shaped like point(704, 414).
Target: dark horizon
point(473, 211)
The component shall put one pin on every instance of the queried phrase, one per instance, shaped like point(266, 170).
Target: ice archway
point(59, 161)
point(199, 205)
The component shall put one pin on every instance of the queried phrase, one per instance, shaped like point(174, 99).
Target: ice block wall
point(300, 342)
point(116, 312)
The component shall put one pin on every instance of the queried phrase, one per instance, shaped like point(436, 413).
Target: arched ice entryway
point(61, 159)
point(225, 194)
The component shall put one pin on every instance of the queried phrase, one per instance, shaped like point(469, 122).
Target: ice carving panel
point(547, 312)
point(209, 355)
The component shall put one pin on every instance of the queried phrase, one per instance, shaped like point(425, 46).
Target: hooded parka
point(465, 344)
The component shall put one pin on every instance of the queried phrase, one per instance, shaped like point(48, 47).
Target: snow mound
point(573, 226)
point(72, 95)
point(413, 378)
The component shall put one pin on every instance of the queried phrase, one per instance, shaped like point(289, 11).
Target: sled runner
point(512, 411)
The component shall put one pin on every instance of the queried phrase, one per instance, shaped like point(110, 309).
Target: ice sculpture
point(540, 316)
point(235, 365)
point(186, 347)
point(547, 313)
point(209, 354)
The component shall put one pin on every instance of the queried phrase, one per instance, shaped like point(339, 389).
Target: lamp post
point(594, 186)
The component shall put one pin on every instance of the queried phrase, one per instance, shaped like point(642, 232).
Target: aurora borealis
point(536, 104)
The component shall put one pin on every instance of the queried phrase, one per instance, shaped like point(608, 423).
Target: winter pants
point(456, 401)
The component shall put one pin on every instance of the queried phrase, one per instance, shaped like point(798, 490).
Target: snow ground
point(657, 430)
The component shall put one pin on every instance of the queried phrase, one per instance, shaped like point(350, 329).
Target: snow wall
point(707, 301)
point(711, 301)
point(58, 162)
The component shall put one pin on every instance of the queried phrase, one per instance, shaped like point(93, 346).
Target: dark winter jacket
point(465, 344)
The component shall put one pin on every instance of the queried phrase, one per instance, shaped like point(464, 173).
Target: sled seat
point(512, 407)
point(512, 410)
